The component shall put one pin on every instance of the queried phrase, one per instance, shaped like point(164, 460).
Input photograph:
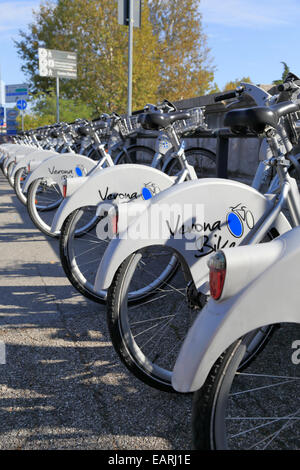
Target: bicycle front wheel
point(203, 161)
point(9, 177)
point(147, 335)
point(258, 408)
point(81, 251)
point(20, 178)
point(42, 201)
point(135, 154)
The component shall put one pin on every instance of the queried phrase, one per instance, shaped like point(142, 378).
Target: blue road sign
point(11, 131)
point(11, 113)
point(21, 104)
point(1, 122)
point(1, 112)
point(11, 124)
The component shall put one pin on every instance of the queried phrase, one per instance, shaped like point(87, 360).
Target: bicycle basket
point(105, 133)
point(197, 120)
point(128, 125)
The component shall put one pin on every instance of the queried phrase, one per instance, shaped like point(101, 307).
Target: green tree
point(186, 69)
point(43, 110)
point(235, 83)
point(171, 57)
point(285, 72)
point(90, 28)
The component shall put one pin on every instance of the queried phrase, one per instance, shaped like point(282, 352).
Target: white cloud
point(250, 13)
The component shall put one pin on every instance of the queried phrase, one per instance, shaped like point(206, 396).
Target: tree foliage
point(43, 110)
point(235, 83)
point(285, 72)
point(185, 66)
point(171, 57)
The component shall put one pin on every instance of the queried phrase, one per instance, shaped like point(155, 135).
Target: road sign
point(11, 124)
point(11, 114)
point(15, 92)
point(1, 112)
point(1, 122)
point(123, 12)
point(11, 131)
point(21, 104)
point(61, 64)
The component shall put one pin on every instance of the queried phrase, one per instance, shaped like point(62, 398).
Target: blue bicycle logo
point(149, 190)
point(80, 170)
point(238, 218)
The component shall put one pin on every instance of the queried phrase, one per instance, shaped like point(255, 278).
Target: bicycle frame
point(216, 234)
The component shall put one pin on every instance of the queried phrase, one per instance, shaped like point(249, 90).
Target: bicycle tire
point(19, 178)
point(226, 413)
point(138, 150)
point(9, 177)
point(195, 156)
point(69, 265)
point(35, 209)
point(124, 339)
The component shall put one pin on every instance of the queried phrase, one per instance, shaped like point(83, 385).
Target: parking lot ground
point(62, 386)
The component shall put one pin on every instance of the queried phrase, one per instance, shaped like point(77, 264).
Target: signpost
point(15, 92)
point(11, 123)
point(22, 104)
point(124, 13)
point(11, 114)
point(59, 64)
point(129, 14)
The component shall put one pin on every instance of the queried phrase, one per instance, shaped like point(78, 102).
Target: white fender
point(120, 183)
point(15, 149)
point(59, 167)
point(22, 151)
point(36, 154)
point(217, 197)
point(270, 297)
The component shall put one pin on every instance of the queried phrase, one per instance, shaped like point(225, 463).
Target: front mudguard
point(118, 183)
point(19, 154)
point(60, 166)
point(272, 297)
point(218, 198)
point(37, 155)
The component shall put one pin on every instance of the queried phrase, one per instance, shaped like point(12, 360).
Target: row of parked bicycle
point(150, 233)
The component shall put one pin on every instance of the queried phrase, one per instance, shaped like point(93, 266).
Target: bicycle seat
point(55, 133)
point(257, 118)
point(84, 130)
point(157, 120)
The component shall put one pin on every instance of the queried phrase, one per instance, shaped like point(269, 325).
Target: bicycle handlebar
point(230, 94)
point(225, 96)
point(288, 86)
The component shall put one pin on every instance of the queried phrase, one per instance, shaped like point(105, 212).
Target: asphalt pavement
point(63, 386)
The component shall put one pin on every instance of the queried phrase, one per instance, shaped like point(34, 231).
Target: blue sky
point(246, 37)
point(252, 37)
